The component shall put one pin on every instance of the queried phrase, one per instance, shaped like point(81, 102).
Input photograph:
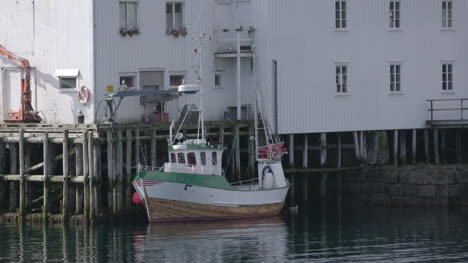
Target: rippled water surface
point(311, 235)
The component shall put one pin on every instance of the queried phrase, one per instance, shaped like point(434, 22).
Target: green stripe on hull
point(211, 181)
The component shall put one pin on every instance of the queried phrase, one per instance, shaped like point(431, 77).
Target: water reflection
point(366, 235)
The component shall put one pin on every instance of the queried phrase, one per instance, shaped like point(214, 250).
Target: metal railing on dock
point(447, 106)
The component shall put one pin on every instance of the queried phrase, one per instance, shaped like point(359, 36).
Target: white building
point(323, 66)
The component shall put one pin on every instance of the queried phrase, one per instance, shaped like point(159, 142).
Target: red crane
point(26, 112)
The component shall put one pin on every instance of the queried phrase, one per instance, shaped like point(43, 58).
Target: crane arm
point(23, 63)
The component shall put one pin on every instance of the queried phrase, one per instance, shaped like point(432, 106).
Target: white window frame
point(184, 74)
point(67, 74)
point(447, 79)
point(447, 14)
point(342, 80)
point(394, 14)
point(137, 18)
point(341, 14)
point(173, 25)
point(126, 75)
point(395, 75)
point(68, 89)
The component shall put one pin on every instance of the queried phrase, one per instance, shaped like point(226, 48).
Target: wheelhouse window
point(395, 78)
point(181, 157)
point(173, 158)
point(128, 17)
point(447, 77)
point(340, 14)
point(191, 159)
point(447, 7)
point(394, 14)
point(214, 158)
point(341, 79)
point(203, 158)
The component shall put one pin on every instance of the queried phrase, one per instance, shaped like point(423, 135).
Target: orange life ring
point(84, 95)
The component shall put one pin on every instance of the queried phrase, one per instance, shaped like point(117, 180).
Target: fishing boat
point(192, 185)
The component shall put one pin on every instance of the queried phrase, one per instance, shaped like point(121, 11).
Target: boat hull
point(163, 210)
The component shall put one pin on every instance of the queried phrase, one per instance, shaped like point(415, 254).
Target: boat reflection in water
point(245, 240)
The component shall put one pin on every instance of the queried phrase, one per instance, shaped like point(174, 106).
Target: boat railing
point(150, 168)
point(250, 181)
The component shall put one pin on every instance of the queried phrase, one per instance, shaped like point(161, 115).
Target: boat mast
point(256, 101)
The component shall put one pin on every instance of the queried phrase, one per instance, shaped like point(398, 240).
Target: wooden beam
point(46, 191)
point(305, 149)
point(357, 151)
point(97, 174)
point(91, 183)
point(338, 149)
point(78, 172)
point(323, 149)
point(85, 175)
point(458, 141)
point(443, 146)
point(403, 146)
point(110, 171)
point(395, 148)
point(426, 146)
point(13, 170)
point(119, 169)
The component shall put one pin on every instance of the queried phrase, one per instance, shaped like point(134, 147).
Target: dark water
point(311, 235)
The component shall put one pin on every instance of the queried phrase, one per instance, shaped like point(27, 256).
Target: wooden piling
point(119, 170)
point(413, 146)
point(85, 174)
point(65, 175)
point(291, 151)
point(91, 183)
point(237, 152)
point(97, 173)
point(323, 189)
point(338, 150)
point(395, 148)
point(443, 147)
point(436, 146)
point(292, 193)
point(458, 146)
point(357, 151)
point(137, 146)
point(27, 185)
point(21, 172)
point(14, 186)
point(78, 172)
point(426, 146)
point(2, 171)
point(305, 188)
point(402, 139)
point(153, 148)
point(323, 149)
point(305, 152)
point(128, 168)
point(110, 172)
point(363, 147)
point(46, 191)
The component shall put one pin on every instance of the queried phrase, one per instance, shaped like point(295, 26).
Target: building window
point(67, 83)
point(340, 14)
point(394, 14)
point(447, 7)
point(128, 17)
point(447, 77)
point(217, 80)
point(203, 158)
point(341, 79)
point(127, 81)
point(175, 19)
point(395, 78)
point(181, 157)
point(191, 159)
point(214, 158)
point(173, 158)
point(176, 80)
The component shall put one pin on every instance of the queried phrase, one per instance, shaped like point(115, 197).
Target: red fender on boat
point(136, 198)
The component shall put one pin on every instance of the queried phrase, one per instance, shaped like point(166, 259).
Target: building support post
point(14, 196)
point(436, 146)
point(305, 152)
point(119, 162)
point(426, 146)
point(291, 151)
point(443, 146)
point(338, 150)
point(403, 147)
point(78, 172)
point(395, 148)
point(21, 173)
point(97, 174)
point(363, 147)
point(86, 200)
point(91, 183)
point(65, 176)
point(128, 169)
point(46, 168)
point(110, 172)
point(413, 146)
point(458, 146)
point(323, 149)
point(357, 151)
